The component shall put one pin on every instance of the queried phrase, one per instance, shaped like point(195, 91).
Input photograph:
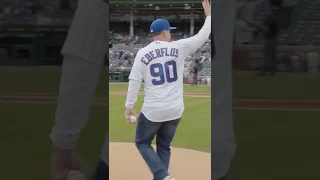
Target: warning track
point(102, 100)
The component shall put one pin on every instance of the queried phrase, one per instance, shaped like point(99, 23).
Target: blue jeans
point(101, 172)
point(159, 161)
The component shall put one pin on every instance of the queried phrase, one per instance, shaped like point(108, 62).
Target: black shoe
point(223, 178)
point(102, 171)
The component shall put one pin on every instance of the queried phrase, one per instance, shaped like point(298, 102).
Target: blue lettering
point(162, 51)
point(158, 52)
point(145, 61)
point(176, 53)
point(152, 55)
point(148, 57)
point(167, 52)
point(172, 52)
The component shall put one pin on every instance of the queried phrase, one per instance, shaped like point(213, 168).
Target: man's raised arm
point(195, 42)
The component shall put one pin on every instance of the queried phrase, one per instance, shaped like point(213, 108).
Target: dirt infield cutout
point(126, 163)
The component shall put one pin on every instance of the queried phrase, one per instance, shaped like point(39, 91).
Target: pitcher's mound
point(127, 164)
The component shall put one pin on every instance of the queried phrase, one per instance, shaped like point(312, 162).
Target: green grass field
point(194, 130)
point(270, 144)
point(276, 145)
point(303, 87)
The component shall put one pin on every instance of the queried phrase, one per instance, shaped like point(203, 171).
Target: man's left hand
point(128, 113)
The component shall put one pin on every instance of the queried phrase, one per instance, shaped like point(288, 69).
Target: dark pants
point(270, 52)
point(159, 161)
point(102, 171)
point(195, 79)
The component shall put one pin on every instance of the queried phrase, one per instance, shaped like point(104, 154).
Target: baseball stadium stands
point(306, 27)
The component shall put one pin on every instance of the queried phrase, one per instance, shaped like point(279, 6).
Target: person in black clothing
point(120, 54)
point(270, 30)
point(195, 71)
point(270, 45)
point(195, 75)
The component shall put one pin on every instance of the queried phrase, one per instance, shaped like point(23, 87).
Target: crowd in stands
point(124, 49)
point(296, 18)
point(36, 11)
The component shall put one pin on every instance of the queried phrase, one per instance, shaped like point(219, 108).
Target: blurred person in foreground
point(84, 52)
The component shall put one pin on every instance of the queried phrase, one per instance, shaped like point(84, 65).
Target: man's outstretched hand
point(206, 7)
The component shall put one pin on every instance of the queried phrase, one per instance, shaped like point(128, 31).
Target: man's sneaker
point(169, 178)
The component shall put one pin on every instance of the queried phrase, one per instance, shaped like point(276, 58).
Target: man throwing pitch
point(160, 65)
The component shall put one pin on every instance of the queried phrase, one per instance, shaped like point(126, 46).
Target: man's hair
point(156, 34)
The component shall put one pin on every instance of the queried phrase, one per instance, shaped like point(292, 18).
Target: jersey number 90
point(164, 73)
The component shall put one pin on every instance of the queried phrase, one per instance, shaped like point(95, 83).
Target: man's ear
point(163, 33)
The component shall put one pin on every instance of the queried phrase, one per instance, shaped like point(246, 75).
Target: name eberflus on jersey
point(160, 52)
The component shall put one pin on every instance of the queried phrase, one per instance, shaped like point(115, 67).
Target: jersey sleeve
point(136, 70)
point(192, 44)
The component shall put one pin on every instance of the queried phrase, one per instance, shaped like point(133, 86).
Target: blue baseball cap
point(160, 25)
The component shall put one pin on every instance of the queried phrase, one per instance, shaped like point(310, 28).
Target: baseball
point(133, 119)
point(75, 175)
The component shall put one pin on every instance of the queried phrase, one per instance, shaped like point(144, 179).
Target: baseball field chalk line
point(180, 166)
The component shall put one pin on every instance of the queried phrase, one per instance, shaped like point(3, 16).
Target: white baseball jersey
point(161, 66)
